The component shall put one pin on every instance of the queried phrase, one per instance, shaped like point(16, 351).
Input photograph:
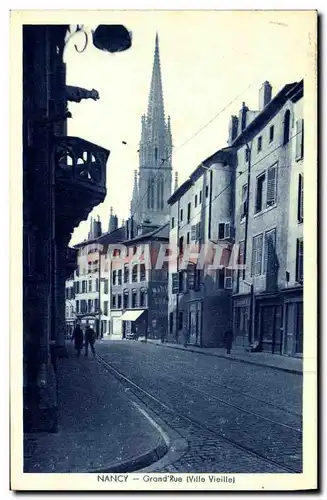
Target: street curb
point(256, 363)
point(134, 464)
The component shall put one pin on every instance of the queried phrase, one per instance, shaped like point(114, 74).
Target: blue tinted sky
point(207, 60)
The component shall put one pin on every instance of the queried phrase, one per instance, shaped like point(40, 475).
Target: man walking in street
point(78, 339)
point(90, 336)
point(228, 340)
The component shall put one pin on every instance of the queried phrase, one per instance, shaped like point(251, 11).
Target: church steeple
point(155, 151)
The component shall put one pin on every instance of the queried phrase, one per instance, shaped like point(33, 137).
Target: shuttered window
point(193, 232)
point(259, 193)
point(241, 253)
point(299, 139)
point(300, 199)
point(257, 255)
point(299, 260)
point(270, 262)
point(271, 186)
point(244, 201)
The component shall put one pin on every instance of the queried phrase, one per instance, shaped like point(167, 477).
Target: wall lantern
point(107, 37)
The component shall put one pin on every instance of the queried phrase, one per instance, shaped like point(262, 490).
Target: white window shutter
point(227, 230)
point(193, 232)
point(299, 140)
point(271, 186)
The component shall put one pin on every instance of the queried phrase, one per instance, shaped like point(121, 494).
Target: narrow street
point(235, 417)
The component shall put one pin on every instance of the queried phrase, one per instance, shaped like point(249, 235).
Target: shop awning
point(132, 314)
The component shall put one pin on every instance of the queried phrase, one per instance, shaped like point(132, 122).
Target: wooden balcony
point(80, 180)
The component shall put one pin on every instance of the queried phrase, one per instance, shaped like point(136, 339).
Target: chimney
point(232, 131)
point(264, 95)
point(242, 118)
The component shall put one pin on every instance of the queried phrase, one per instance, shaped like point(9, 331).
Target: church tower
point(153, 187)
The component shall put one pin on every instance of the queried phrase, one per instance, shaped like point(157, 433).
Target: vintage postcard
point(163, 253)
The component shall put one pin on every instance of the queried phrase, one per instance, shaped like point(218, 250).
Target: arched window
point(126, 273)
point(287, 118)
point(142, 272)
point(158, 194)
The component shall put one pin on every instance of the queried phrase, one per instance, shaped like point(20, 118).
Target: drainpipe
point(251, 315)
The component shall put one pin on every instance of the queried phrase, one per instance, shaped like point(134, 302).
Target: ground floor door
point(293, 340)
point(195, 322)
point(241, 326)
point(271, 322)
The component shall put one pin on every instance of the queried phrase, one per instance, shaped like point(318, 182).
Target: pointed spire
point(176, 181)
point(156, 104)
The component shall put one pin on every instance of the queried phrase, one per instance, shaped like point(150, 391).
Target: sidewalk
point(100, 428)
point(276, 361)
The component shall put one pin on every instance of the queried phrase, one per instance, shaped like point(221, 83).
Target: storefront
point(134, 323)
point(268, 326)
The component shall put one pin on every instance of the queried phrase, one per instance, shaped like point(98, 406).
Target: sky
point(211, 61)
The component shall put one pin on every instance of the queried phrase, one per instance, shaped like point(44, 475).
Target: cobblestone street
point(235, 417)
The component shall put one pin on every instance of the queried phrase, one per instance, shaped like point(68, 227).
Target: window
point(142, 298)
point(240, 259)
point(90, 286)
point(271, 133)
point(299, 139)
point(196, 200)
point(156, 153)
point(286, 136)
point(106, 286)
point(114, 302)
point(271, 186)
point(119, 274)
point(105, 308)
point(125, 299)
point(172, 222)
point(126, 273)
point(134, 299)
point(257, 255)
point(188, 238)
point(181, 245)
point(207, 191)
point(142, 272)
point(200, 197)
point(96, 305)
point(299, 260)
point(270, 259)
point(97, 284)
point(259, 144)
point(223, 230)
point(77, 306)
point(244, 201)
point(247, 154)
point(259, 193)
point(188, 212)
point(83, 307)
point(89, 305)
point(300, 199)
point(83, 286)
point(181, 215)
point(119, 301)
point(134, 273)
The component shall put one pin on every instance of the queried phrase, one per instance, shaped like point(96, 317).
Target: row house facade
point(201, 232)
point(116, 287)
point(243, 207)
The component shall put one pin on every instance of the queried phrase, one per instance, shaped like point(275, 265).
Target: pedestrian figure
point(228, 340)
point(146, 333)
point(163, 334)
point(90, 337)
point(78, 339)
